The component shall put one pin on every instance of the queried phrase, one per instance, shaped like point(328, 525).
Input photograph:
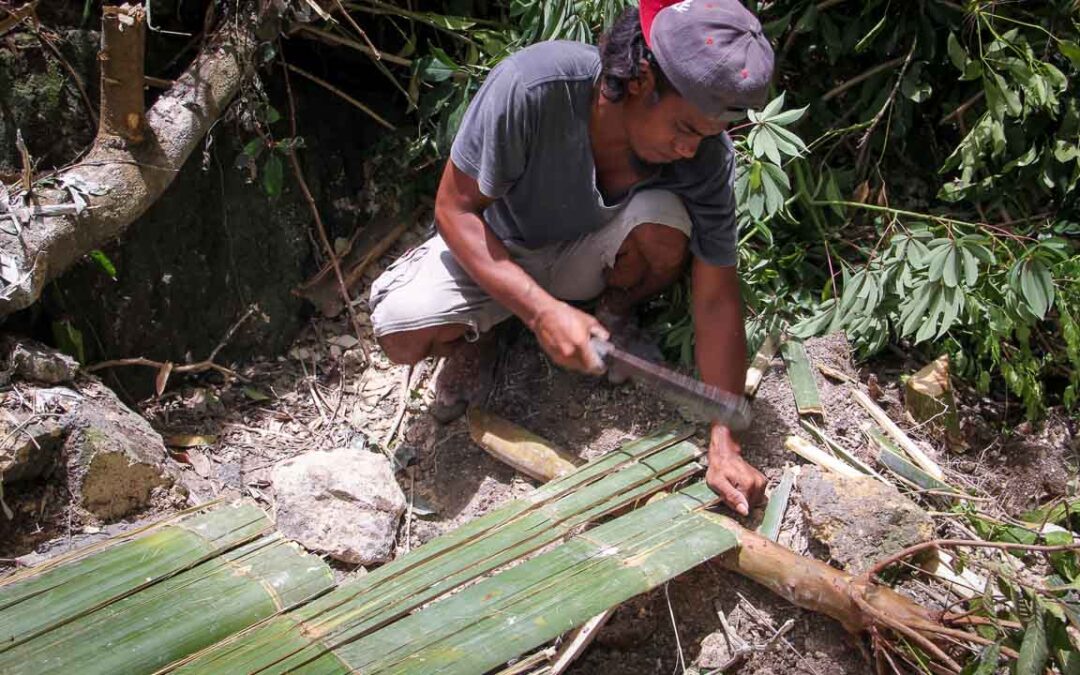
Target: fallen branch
point(167, 368)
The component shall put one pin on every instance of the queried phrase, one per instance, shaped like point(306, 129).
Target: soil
point(331, 390)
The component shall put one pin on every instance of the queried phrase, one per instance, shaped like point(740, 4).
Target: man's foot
point(466, 378)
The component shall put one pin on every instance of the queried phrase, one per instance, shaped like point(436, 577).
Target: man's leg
point(642, 251)
point(424, 305)
point(651, 258)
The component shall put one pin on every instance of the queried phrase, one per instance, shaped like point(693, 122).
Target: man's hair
point(622, 49)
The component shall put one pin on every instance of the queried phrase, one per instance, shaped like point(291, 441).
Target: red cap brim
point(647, 10)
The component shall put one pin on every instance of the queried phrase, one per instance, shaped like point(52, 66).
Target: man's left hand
point(729, 475)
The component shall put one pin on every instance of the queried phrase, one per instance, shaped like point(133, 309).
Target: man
point(579, 174)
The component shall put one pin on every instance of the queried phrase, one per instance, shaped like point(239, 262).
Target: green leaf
point(765, 146)
point(1037, 286)
point(273, 175)
point(956, 53)
point(930, 321)
point(437, 67)
point(103, 261)
point(951, 268)
point(1033, 648)
point(915, 310)
point(1071, 51)
point(255, 394)
point(773, 107)
point(862, 44)
point(69, 340)
point(971, 267)
point(254, 148)
point(788, 116)
point(454, 23)
point(953, 303)
point(987, 663)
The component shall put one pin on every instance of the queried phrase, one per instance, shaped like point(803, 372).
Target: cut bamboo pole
point(518, 447)
point(811, 453)
point(760, 365)
point(891, 458)
point(839, 450)
point(803, 385)
point(778, 502)
point(903, 440)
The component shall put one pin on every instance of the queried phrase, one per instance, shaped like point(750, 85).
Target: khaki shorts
point(427, 287)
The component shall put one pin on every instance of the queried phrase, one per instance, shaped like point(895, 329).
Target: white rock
point(343, 502)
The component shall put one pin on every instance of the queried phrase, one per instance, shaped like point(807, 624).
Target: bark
point(133, 159)
point(123, 53)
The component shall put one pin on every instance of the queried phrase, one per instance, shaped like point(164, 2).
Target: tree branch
point(100, 196)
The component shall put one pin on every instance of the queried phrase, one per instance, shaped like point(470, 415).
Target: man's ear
point(645, 84)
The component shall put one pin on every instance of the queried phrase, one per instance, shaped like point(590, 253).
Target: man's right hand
point(564, 333)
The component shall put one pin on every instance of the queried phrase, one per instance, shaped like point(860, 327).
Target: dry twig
point(295, 162)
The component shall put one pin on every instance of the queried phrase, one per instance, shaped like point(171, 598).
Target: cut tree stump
point(928, 397)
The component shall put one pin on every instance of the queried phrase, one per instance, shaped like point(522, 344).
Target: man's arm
point(720, 349)
point(562, 330)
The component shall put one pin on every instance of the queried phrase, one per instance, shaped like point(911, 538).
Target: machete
point(702, 401)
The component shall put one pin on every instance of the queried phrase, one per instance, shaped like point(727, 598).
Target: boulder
point(33, 361)
point(861, 519)
point(343, 502)
point(115, 459)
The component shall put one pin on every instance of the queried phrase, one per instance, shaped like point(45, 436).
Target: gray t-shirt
point(525, 139)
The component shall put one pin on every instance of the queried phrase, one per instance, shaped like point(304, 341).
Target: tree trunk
point(133, 159)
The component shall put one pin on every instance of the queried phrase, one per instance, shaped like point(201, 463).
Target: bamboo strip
point(778, 502)
point(579, 641)
point(891, 458)
point(37, 603)
point(839, 450)
point(803, 385)
point(383, 596)
point(910, 447)
point(143, 631)
point(811, 453)
point(543, 597)
point(760, 365)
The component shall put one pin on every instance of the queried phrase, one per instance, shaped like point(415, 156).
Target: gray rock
point(861, 520)
point(33, 361)
point(343, 502)
point(31, 445)
point(115, 459)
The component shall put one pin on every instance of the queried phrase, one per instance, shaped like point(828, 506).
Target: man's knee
point(406, 347)
point(663, 247)
point(651, 250)
point(409, 347)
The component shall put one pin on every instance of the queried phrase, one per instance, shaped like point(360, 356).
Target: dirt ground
point(331, 390)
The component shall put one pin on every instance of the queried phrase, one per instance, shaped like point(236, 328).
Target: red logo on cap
point(745, 74)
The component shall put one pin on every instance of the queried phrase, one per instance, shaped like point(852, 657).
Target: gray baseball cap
point(712, 51)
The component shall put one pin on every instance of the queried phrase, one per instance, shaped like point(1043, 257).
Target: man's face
point(663, 128)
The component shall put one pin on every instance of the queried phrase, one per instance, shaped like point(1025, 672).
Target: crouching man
point(578, 174)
